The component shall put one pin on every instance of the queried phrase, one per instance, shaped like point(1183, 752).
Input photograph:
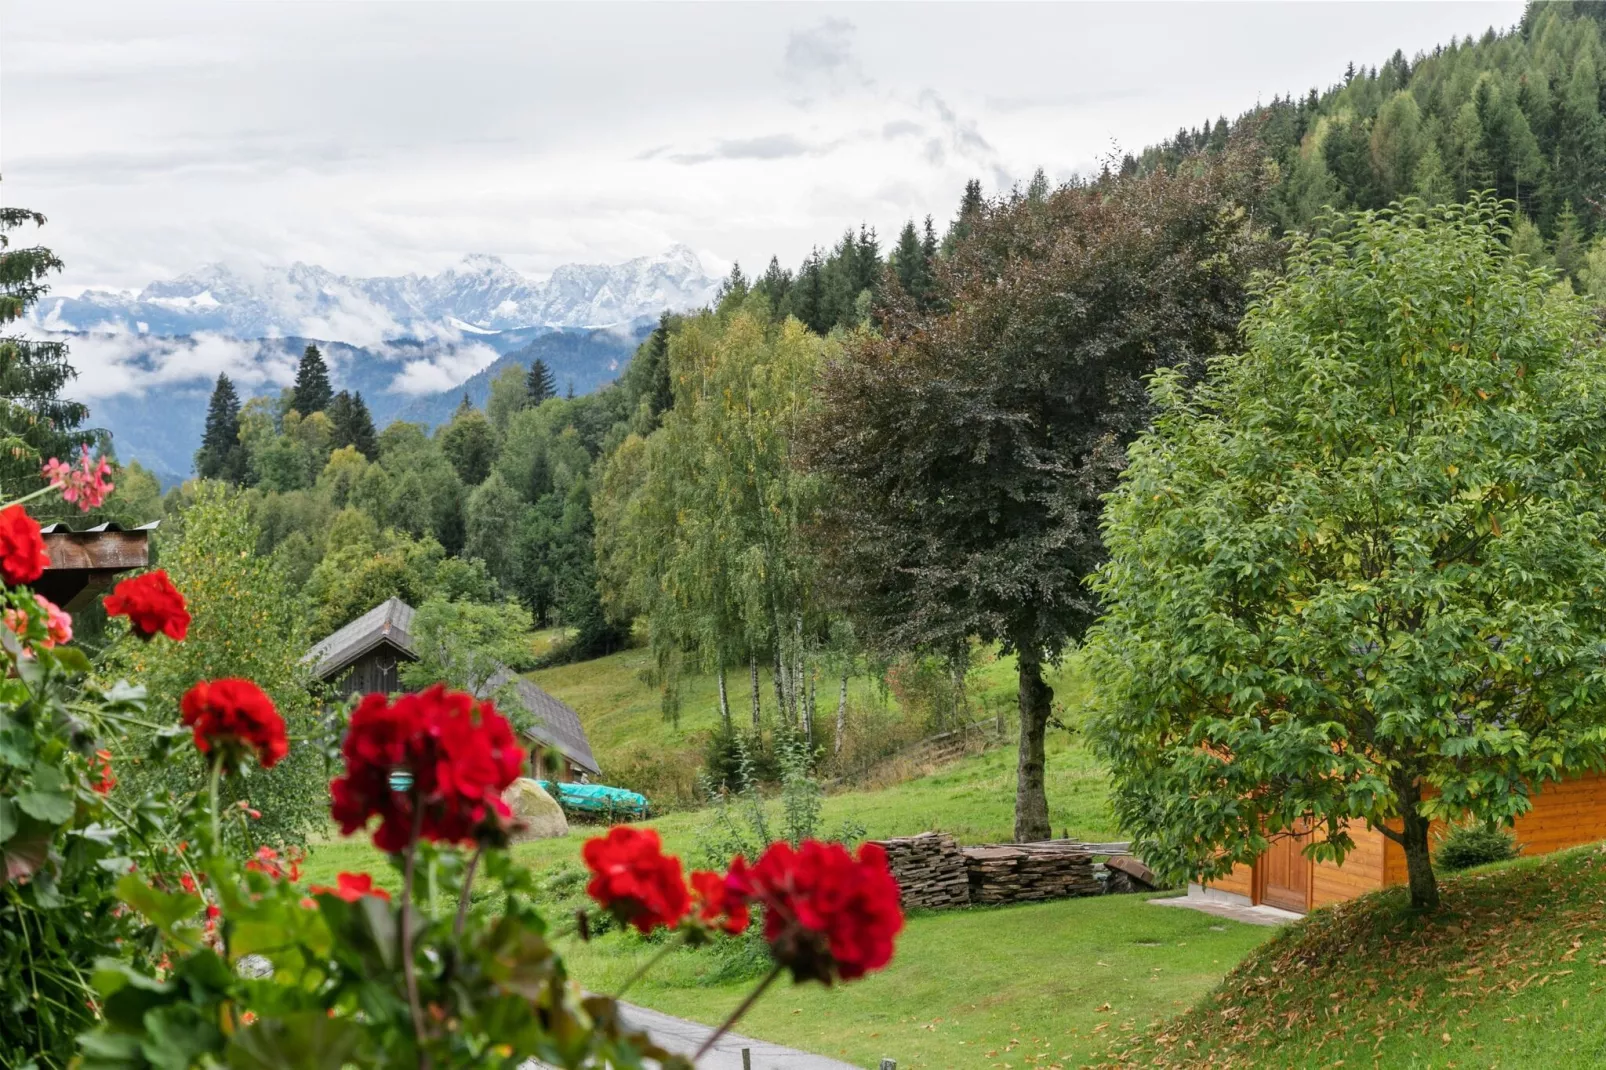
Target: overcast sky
point(379, 138)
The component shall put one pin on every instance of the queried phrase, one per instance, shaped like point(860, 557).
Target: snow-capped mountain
point(481, 294)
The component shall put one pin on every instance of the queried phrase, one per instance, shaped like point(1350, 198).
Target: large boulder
point(537, 811)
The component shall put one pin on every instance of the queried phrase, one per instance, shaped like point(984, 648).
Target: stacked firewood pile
point(1025, 872)
point(935, 873)
point(930, 870)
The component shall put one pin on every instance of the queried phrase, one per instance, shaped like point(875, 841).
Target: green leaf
point(104, 1050)
point(55, 807)
point(72, 659)
point(8, 820)
point(163, 909)
point(177, 1036)
point(312, 1041)
point(16, 747)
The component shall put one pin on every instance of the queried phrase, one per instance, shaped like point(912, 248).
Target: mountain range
point(411, 344)
point(480, 294)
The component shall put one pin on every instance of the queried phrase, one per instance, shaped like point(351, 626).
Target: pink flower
point(58, 623)
point(85, 484)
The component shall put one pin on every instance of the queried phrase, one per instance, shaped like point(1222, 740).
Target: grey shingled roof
point(557, 724)
point(387, 622)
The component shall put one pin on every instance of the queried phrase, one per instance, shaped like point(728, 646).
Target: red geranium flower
point(717, 907)
point(351, 887)
point(267, 861)
point(456, 755)
point(152, 604)
point(634, 879)
point(105, 782)
point(22, 548)
point(826, 914)
point(234, 716)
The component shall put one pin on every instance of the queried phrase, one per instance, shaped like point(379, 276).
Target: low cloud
point(116, 361)
point(443, 369)
point(765, 147)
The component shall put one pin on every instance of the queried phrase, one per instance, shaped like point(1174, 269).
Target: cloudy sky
point(379, 138)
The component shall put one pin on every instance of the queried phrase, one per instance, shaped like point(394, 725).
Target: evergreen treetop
point(540, 383)
point(222, 455)
point(312, 392)
point(35, 422)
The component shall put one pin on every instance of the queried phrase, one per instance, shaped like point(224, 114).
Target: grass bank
point(1509, 974)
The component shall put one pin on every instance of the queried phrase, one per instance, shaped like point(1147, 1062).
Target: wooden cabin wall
point(374, 671)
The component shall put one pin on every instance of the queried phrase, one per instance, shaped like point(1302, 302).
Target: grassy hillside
point(638, 748)
point(1510, 974)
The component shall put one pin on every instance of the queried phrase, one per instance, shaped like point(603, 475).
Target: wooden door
point(1285, 873)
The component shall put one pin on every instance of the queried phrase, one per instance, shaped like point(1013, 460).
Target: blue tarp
point(596, 799)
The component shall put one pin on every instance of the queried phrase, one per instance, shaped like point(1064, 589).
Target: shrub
point(1465, 846)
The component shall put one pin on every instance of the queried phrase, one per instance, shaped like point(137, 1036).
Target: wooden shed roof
point(386, 623)
point(83, 563)
point(557, 725)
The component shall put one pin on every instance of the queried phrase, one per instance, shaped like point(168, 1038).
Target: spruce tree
point(222, 455)
point(541, 383)
point(971, 206)
point(907, 260)
point(353, 425)
point(35, 422)
point(312, 390)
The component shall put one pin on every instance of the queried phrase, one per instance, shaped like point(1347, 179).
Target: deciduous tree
point(1357, 575)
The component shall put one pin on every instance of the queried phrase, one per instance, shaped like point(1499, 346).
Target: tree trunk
point(752, 666)
point(1031, 797)
point(724, 699)
point(780, 687)
point(808, 710)
point(841, 715)
point(1414, 840)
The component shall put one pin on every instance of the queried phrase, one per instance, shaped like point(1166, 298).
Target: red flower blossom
point(22, 548)
point(717, 907)
point(351, 887)
point(84, 483)
point(267, 861)
point(634, 879)
point(152, 604)
point(826, 914)
point(106, 782)
point(235, 716)
point(459, 753)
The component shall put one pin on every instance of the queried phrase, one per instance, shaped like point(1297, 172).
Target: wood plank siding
point(1565, 814)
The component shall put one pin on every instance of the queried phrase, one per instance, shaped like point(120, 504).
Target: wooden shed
point(367, 655)
point(1565, 814)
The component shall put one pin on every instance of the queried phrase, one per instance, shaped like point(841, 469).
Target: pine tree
point(734, 288)
point(312, 392)
point(222, 455)
point(907, 262)
point(1570, 248)
point(774, 284)
point(541, 383)
point(35, 423)
point(353, 425)
point(971, 206)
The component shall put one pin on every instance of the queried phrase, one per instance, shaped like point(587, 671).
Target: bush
point(248, 623)
point(1465, 846)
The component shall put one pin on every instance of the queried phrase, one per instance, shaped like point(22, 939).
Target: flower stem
point(641, 971)
point(741, 1009)
point(41, 492)
point(212, 793)
point(406, 935)
point(462, 903)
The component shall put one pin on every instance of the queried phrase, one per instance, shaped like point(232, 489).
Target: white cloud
point(443, 370)
point(387, 138)
point(118, 362)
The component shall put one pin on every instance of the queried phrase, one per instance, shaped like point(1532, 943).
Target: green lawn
point(1039, 986)
point(1512, 973)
